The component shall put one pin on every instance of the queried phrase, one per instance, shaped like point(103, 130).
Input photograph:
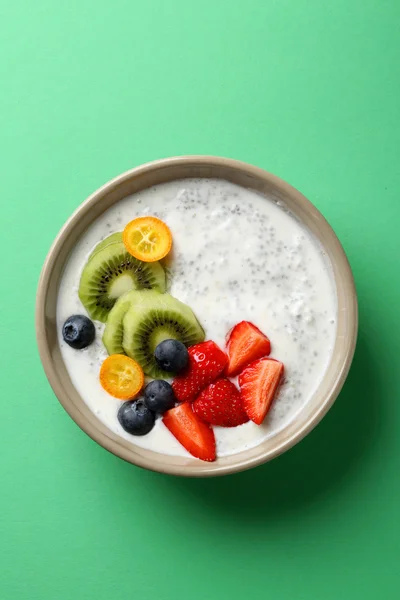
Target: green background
point(306, 89)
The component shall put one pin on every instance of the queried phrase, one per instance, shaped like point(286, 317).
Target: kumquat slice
point(147, 238)
point(121, 376)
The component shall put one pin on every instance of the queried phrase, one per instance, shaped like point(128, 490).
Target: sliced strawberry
point(194, 435)
point(220, 404)
point(245, 344)
point(206, 363)
point(258, 384)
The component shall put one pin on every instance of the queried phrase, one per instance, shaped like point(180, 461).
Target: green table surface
point(306, 89)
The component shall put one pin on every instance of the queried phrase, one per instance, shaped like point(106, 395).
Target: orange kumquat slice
point(147, 239)
point(121, 376)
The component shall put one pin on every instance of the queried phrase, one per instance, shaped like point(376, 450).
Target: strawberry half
point(220, 404)
point(245, 344)
point(194, 435)
point(258, 384)
point(206, 363)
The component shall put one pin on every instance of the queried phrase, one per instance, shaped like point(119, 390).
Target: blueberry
point(78, 331)
point(159, 396)
point(171, 356)
point(136, 418)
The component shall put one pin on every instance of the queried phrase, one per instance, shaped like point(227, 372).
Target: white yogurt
point(236, 256)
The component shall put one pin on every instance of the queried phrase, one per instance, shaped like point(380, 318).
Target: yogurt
point(237, 255)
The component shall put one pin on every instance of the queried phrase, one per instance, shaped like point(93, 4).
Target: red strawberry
point(245, 344)
point(220, 404)
point(258, 384)
point(206, 363)
point(197, 437)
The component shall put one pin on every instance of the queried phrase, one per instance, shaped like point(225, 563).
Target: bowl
point(159, 172)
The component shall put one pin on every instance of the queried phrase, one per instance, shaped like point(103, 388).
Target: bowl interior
point(160, 172)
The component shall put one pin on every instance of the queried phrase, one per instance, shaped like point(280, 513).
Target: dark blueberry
point(171, 356)
point(78, 331)
point(136, 418)
point(159, 396)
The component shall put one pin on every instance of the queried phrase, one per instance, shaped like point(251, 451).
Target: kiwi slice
point(112, 272)
point(113, 332)
point(112, 336)
point(114, 237)
point(155, 317)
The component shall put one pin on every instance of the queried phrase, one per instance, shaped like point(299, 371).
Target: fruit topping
point(111, 239)
point(121, 376)
point(206, 363)
point(147, 238)
point(113, 332)
point(153, 318)
point(258, 385)
point(171, 356)
point(194, 435)
point(246, 343)
point(78, 332)
point(110, 273)
point(220, 404)
point(159, 396)
point(136, 418)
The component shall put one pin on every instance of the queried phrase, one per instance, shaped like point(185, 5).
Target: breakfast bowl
point(213, 193)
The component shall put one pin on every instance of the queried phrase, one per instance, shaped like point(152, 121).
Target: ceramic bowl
point(149, 175)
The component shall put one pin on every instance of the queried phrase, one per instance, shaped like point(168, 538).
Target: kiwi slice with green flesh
point(152, 319)
point(145, 325)
point(113, 333)
point(112, 336)
point(112, 272)
point(113, 238)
